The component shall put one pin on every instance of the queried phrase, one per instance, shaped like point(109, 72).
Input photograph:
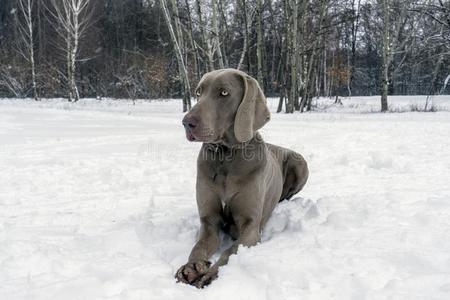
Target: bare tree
point(206, 44)
point(283, 65)
point(193, 44)
point(354, 32)
point(259, 42)
point(395, 41)
point(179, 55)
point(216, 38)
point(225, 31)
point(27, 40)
point(248, 18)
point(294, 57)
point(386, 62)
point(312, 67)
point(73, 18)
point(337, 48)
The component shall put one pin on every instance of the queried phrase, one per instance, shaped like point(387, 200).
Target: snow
point(97, 201)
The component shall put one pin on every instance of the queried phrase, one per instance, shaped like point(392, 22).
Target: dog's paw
point(191, 272)
point(207, 278)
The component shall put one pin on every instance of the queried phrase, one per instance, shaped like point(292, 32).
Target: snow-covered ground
point(97, 202)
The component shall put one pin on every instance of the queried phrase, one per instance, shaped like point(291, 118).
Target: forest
point(155, 49)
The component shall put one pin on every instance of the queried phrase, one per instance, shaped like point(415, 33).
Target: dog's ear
point(252, 113)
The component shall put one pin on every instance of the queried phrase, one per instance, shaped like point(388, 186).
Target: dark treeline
point(298, 49)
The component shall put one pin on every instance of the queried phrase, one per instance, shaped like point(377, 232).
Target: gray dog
point(240, 178)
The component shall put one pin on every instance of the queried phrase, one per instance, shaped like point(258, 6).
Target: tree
point(396, 40)
point(181, 65)
point(129, 50)
point(247, 17)
point(206, 43)
point(27, 40)
point(259, 42)
point(73, 18)
point(312, 67)
point(354, 32)
point(386, 60)
point(215, 32)
point(293, 57)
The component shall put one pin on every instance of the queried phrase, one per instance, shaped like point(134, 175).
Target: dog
point(240, 178)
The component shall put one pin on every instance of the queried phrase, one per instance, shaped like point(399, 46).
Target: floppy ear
point(252, 113)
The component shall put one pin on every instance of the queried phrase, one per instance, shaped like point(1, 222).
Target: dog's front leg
point(210, 210)
point(249, 235)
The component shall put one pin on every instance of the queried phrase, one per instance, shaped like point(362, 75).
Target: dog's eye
point(198, 93)
point(223, 93)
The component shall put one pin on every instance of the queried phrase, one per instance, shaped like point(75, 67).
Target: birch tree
point(312, 68)
point(179, 55)
point(259, 42)
point(247, 20)
point(386, 62)
point(395, 41)
point(215, 32)
point(132, 43)
point(225, 31)
point(283, 65)
point(73, 18)
point(27, 40)
point(192, 42)
point(206, 44)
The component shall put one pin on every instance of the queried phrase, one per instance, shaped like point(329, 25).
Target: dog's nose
point(190, 121)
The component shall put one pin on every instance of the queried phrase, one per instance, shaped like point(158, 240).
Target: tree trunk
point(283, 91)
point(224, 28)
point(355, 25)
point(32, 63)
point(73, 55)
point(72, 18)
point(259, 43)
point(247, 21)
point(325, 81)
point(179, 55)
point(433, 81)
point(28, 37)
point(216, 38)
point(294, 55)
point(273, 63)
point(385, 63)
point(192, 42)
point(283, 65)
point(309, 78)
point(69, 64)
point(185, 77)
point(205, 42)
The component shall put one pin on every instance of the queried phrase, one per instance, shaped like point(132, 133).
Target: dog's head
point(230, 102)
